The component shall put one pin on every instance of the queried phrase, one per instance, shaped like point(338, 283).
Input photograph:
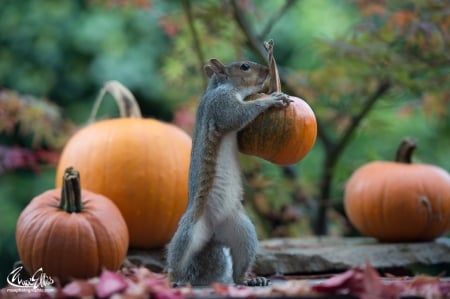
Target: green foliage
point(66, 50)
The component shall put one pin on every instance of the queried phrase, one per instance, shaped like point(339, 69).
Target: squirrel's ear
point(214, 67)
point(208, 70)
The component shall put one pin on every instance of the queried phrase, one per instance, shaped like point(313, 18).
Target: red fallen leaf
point(444, 288)
point(426, 286)
point(167, 294)
point(135, 290)
point(155, 283)
point(347, 280)
point(232, 291)
point(374, 287)
point(79, 288)
point(110, 283)
point(292, 288)
point(365, 283)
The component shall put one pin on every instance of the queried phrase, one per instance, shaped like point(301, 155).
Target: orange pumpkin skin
point(280, 135)
point(142, 166)
point(394, 201)
point(71, 245)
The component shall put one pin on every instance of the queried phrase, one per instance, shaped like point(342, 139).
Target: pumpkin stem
point(275, 84)
point(71, 191)
point(125, 100)
point(405, 151)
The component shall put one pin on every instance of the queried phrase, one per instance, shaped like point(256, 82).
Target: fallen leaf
point(292, 288)
point(79, 288)
point(110, 283)
point(232, 291)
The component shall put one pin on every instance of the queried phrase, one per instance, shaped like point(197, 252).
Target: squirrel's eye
point(245, 66)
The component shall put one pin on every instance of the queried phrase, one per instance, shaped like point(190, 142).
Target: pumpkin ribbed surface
point(71, 244)
point(394, 201)
point(142, 166)
point(280, 135)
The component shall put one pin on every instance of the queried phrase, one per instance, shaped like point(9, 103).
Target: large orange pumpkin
point(140, 164)
point(399, 201)
point(280, 135)
point(71, 233)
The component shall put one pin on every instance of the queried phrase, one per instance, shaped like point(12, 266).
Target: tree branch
point(382, 88)
point(275, 17)
point(333, 148)
point(253, 41)
point(333, 151)
point(197, 45)
point(256, 45)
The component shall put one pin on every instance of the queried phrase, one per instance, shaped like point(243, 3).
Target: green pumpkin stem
point(71, 191)
point(405, 151)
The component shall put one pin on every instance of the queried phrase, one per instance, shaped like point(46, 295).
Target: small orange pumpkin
point(140, 164)
point(399, 201)
point(71, 233)
point(280, 135)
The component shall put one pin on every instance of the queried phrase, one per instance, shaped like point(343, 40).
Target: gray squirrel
point(215, 240)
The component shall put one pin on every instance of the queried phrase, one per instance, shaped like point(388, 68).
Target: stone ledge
point(326, 255)
point(313, 255)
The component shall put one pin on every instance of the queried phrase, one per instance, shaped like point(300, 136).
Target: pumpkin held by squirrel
point(281, 136)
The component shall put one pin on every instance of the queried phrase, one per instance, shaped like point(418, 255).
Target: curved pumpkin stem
point(275, 83)
point(405, 151)
point(71, 191)
point(125, 100)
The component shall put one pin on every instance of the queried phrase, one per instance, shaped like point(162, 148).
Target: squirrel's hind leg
point(210, 265)
point(194, 257)
point(238, 233)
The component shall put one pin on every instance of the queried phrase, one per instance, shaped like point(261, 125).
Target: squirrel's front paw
point(257, 282)
point(282, 99)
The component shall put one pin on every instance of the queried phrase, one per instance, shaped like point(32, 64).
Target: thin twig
point(197, 45)
point(276, 17)
point(253, 41)
point(256, 46)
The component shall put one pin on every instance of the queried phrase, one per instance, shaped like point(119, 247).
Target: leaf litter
point(139, 282)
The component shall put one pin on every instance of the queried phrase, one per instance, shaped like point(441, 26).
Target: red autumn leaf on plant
point(402, 18)
point(169, 26)
point(17, 158)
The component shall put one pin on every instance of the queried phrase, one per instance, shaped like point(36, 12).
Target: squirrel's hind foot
point(257, 282)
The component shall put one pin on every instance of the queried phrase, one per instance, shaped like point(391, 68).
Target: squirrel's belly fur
point(226, 194)
point(224, 200)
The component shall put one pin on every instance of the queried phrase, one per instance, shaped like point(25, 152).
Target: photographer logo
point(36, 283)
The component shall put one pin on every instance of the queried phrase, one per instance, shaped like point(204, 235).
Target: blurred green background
point(56, 55)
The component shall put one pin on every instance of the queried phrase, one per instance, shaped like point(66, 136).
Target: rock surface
point(327, 255)
point(318, 255)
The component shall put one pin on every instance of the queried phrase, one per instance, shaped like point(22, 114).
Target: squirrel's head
point(246, 74)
